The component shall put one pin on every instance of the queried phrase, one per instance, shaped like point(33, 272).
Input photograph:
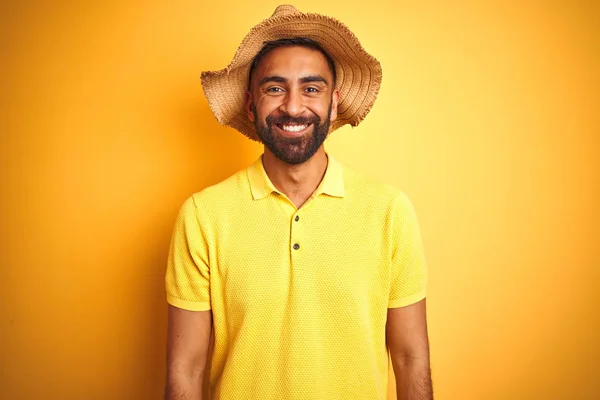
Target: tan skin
point(408, 343)
point(293, 97)
point(189, 332)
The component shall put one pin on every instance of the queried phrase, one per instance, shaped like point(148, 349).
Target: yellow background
point(488, 118)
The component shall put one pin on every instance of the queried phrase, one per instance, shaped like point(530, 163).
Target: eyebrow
point(273, 78)
point(313, 78)
point(280, 79)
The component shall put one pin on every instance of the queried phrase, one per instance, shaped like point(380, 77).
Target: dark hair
point(298, 41)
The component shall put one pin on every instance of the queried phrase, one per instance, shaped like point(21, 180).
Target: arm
point(188, 340)
point(406, 337)
point(187, 282)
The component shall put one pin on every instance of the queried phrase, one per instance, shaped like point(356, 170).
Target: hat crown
point(285, 9)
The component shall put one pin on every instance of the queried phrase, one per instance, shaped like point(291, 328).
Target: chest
point(313, 257)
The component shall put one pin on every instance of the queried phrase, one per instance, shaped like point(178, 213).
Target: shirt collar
point(261, 186)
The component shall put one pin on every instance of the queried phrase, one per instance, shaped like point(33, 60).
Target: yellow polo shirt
point(299, 297)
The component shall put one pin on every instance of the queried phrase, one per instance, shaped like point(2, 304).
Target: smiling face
point(292, 101)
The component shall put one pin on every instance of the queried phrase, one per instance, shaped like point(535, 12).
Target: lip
point(293, 134)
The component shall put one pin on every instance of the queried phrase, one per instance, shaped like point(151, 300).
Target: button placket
point(296, 234)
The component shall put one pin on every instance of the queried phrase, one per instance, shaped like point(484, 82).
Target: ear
point(335, 98)
point(248, 106)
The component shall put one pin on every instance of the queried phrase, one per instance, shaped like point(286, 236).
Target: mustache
point(288, 119)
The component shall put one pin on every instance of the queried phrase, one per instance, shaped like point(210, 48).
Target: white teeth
point(294, 128)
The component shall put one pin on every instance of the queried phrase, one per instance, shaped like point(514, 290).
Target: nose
point(293, 103)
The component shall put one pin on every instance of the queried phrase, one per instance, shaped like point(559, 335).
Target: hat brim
point(358, 73)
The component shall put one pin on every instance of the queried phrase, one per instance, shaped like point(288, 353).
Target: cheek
point(318, 106)
point(266, 105)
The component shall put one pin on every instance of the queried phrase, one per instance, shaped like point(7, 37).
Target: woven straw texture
point(358, 73)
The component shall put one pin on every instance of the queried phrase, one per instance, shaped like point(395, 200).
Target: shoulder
point(367, 193)
point(218, 196)
point(360, 186)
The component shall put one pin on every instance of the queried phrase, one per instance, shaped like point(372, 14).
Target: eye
point(274, 89)
point(312, 89)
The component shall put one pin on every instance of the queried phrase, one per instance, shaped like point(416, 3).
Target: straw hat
point(358, 73)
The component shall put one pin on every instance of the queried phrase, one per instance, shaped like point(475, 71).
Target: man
point(307, 276)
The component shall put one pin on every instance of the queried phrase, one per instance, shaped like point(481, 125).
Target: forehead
point(293, 62)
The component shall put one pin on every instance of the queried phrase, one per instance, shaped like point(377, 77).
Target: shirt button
point(296, 246)
point(297, 218)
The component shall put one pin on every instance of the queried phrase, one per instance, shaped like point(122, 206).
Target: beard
point(293, 150)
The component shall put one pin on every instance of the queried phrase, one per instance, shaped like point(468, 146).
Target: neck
point(298, 182)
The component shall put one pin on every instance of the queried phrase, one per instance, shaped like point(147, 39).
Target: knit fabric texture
point(299, 297)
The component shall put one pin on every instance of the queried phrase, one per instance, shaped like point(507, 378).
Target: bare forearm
point(182, 388)
point(413, 380)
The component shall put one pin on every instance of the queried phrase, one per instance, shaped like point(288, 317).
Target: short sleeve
point(409, 268)
point(187, 278)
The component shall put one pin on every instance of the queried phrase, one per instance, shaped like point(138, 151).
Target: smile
point(292, 127)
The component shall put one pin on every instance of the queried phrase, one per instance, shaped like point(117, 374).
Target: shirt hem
point(188, 305)
point(406, 301)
